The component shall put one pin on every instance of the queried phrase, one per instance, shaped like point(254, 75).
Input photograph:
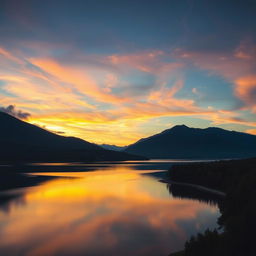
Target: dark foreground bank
point(237, 178)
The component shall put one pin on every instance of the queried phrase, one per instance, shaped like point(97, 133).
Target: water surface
point(111, 209)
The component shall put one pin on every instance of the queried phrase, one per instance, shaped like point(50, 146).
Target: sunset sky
point(115, 71)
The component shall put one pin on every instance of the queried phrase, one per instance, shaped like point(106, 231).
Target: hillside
point(182, 142)
point(21, 141)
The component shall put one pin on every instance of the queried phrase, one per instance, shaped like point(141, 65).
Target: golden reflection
point(105, 212)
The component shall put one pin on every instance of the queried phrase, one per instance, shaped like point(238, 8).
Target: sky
point(116, 71)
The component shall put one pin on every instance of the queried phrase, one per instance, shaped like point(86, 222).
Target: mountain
point(182, 142)
point(21, 141)
point(112, 147)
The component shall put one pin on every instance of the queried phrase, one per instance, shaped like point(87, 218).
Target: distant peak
point(175, 128)
point(181, 126)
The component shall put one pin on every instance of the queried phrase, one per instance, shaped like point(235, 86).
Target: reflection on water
point(116, 210)
point(187, 192)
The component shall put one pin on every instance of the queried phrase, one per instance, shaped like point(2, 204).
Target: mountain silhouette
point(112, 147)
point(21, 141)
point(182, 142)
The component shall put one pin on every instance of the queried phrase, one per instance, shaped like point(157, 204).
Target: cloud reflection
point(115, 212)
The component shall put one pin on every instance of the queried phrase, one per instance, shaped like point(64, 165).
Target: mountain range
point(113, 147)
point(21, 141)
point(182, 142)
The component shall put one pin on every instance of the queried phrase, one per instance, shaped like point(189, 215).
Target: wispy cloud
point(237, 67)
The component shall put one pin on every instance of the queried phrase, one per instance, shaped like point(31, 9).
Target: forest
point(236, 233)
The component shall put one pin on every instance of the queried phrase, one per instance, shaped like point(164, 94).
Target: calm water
point(112, 209)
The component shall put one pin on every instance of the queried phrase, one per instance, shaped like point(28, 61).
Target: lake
point(101, 209)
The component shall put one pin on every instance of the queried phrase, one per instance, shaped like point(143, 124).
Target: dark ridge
point(182, 142)
point(24, 142)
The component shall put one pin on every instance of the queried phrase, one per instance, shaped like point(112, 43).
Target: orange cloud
point(246, 90)
point(161, 102)
point(222, 64)
point(238, 68)
point(219, 117)
point(47, 96)
point(78, 78)
point(148, 61)
point(162, 94)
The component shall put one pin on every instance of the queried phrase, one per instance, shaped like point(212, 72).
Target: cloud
point(148, 61)
point(237, 67)
point(245, 89)
point(79, 79)
point(228, 117)
point(218, 63)
point(11, 110)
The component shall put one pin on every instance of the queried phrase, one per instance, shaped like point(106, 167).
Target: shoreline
point(199, 187)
